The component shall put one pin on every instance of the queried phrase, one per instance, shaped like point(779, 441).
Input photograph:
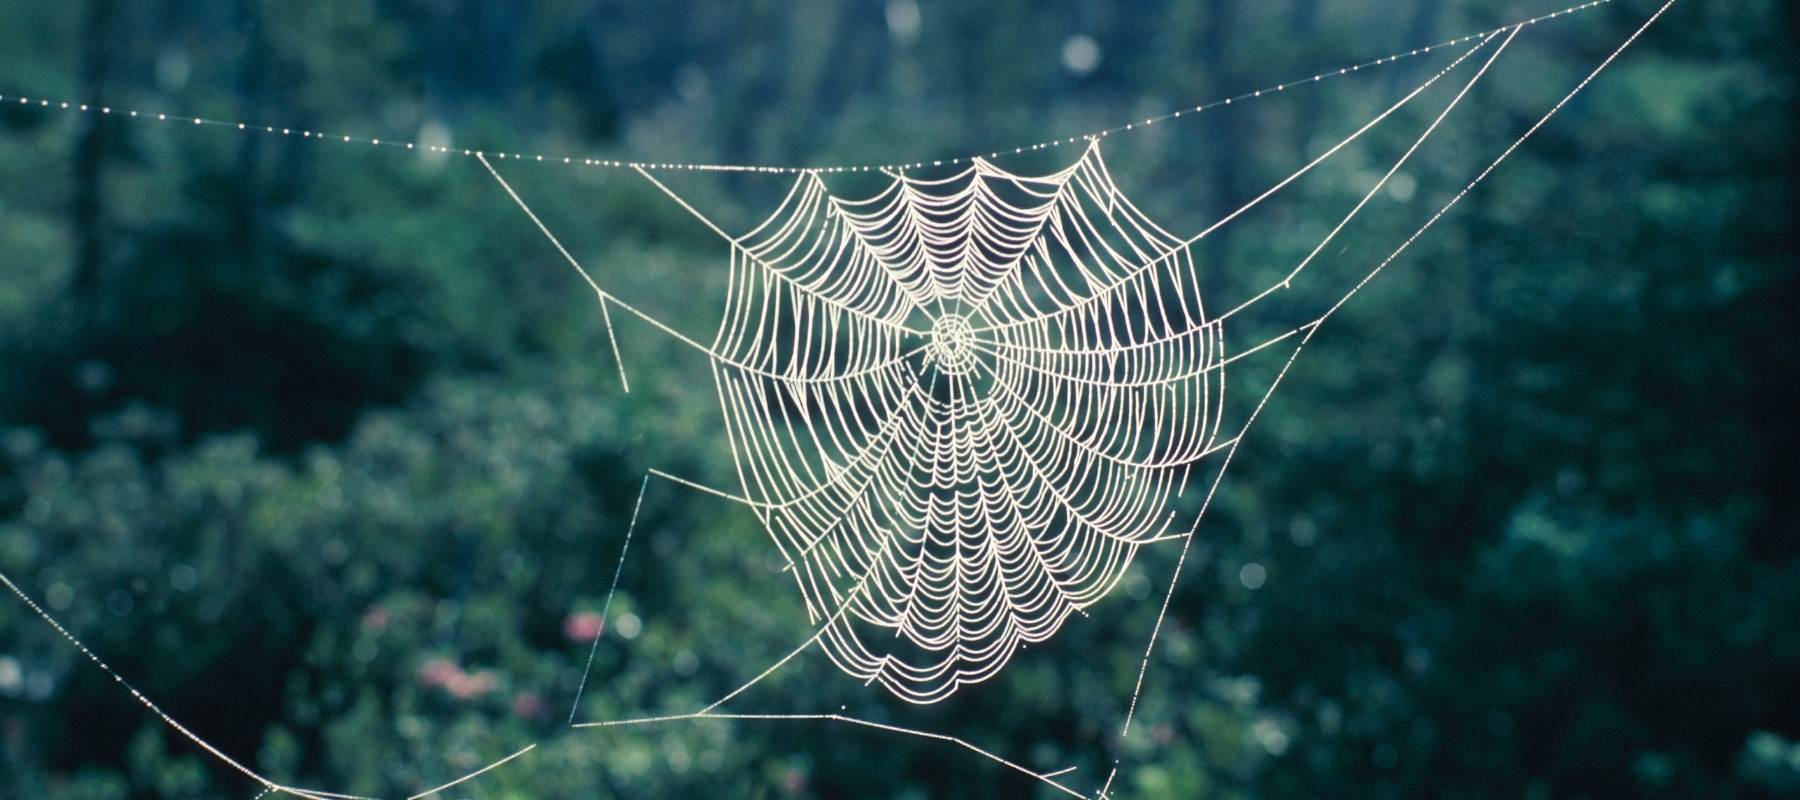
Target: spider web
point(947, 491)
point(959, 407)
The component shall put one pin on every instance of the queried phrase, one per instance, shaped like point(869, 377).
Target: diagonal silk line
point(606, 607)
point(1134, 271)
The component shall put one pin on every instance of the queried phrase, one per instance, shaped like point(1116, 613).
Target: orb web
point(972, 399)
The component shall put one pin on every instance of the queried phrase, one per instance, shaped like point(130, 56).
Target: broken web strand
point(605, 296)
point(1313, 329)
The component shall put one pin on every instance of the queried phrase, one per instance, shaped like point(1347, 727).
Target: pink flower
point(583, 626)
point(793, 781)
point(445, 674)
point(468, 686)
point(439, 672)
point(375, 618)
point(527, 705)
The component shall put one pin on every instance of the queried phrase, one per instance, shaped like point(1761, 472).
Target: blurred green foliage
point(324, 450)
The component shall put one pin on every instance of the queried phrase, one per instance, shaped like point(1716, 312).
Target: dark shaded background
point(323, 449)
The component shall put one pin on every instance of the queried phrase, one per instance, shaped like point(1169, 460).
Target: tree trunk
point(86, 212)
point(1228, 142)
point(1418, 32)
point(1305, 25)
point(247, 213)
